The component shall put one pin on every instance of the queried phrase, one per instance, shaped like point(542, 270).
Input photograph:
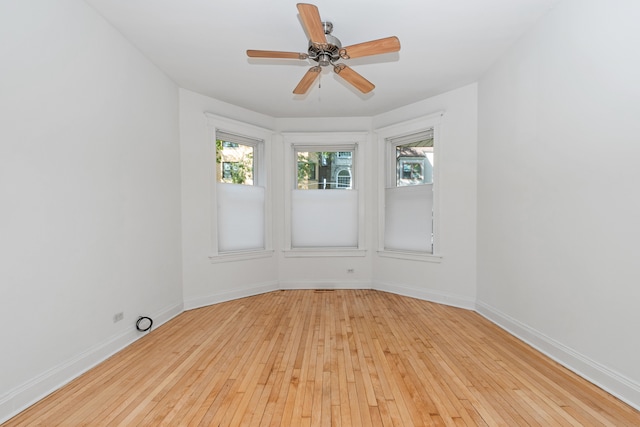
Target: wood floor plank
point(329, 358)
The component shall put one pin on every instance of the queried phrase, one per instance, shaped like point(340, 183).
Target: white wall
point(97, 197)
point(452, 279)
point(89, 194)
point(558, 215)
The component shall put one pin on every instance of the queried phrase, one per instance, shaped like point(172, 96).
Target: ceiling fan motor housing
point(325, 54)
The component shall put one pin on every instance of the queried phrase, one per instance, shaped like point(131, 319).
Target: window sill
point(411, 256)
point(240, 256)
point(329, 252)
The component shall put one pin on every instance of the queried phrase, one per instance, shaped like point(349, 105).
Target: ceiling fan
point(326, 49)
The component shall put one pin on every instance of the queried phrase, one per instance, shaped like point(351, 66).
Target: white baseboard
point(325, 284)
point(39, 387)
point(614, 383)
point(25, 395)
point(216, 298)
point(427, 295)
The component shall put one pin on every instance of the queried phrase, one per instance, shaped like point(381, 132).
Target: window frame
point(387, 179)
point(294, 142)
point(261, 140)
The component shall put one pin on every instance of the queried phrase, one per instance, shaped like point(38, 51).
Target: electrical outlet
point(118, 317)
point(350, 270)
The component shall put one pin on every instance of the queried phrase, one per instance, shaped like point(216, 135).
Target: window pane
point(324, 170)
point(414, 163)
point(235, 162)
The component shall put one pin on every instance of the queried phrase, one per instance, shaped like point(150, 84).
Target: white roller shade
point(324, 218)
point(240, 217)
point(408, 218)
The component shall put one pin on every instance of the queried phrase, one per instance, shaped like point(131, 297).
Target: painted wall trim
point(325, 284)
point(216, 298)
point(411, 256)
point(319, 252)
point(612, 382)
point(427, 295)
point(240, 256)
point(27, 394)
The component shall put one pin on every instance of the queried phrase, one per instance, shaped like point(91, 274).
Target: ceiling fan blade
point(275, 54)
point(307, 80)
point(355, 79)
point(312, 22)
point(373, 47)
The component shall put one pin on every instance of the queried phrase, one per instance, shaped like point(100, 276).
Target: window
point(236, 160)
point(344, 179)
point(229, 170)
point(321, 170)
point(240, 216)
point(323, 222)
point(407, 203)
point(240, 200)
point(414, 160)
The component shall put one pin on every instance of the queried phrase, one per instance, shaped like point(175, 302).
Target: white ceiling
point(201, 45)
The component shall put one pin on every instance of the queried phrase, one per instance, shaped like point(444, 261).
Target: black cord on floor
point(142, 322)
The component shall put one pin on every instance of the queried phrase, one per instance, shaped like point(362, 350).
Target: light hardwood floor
point(341, 358)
